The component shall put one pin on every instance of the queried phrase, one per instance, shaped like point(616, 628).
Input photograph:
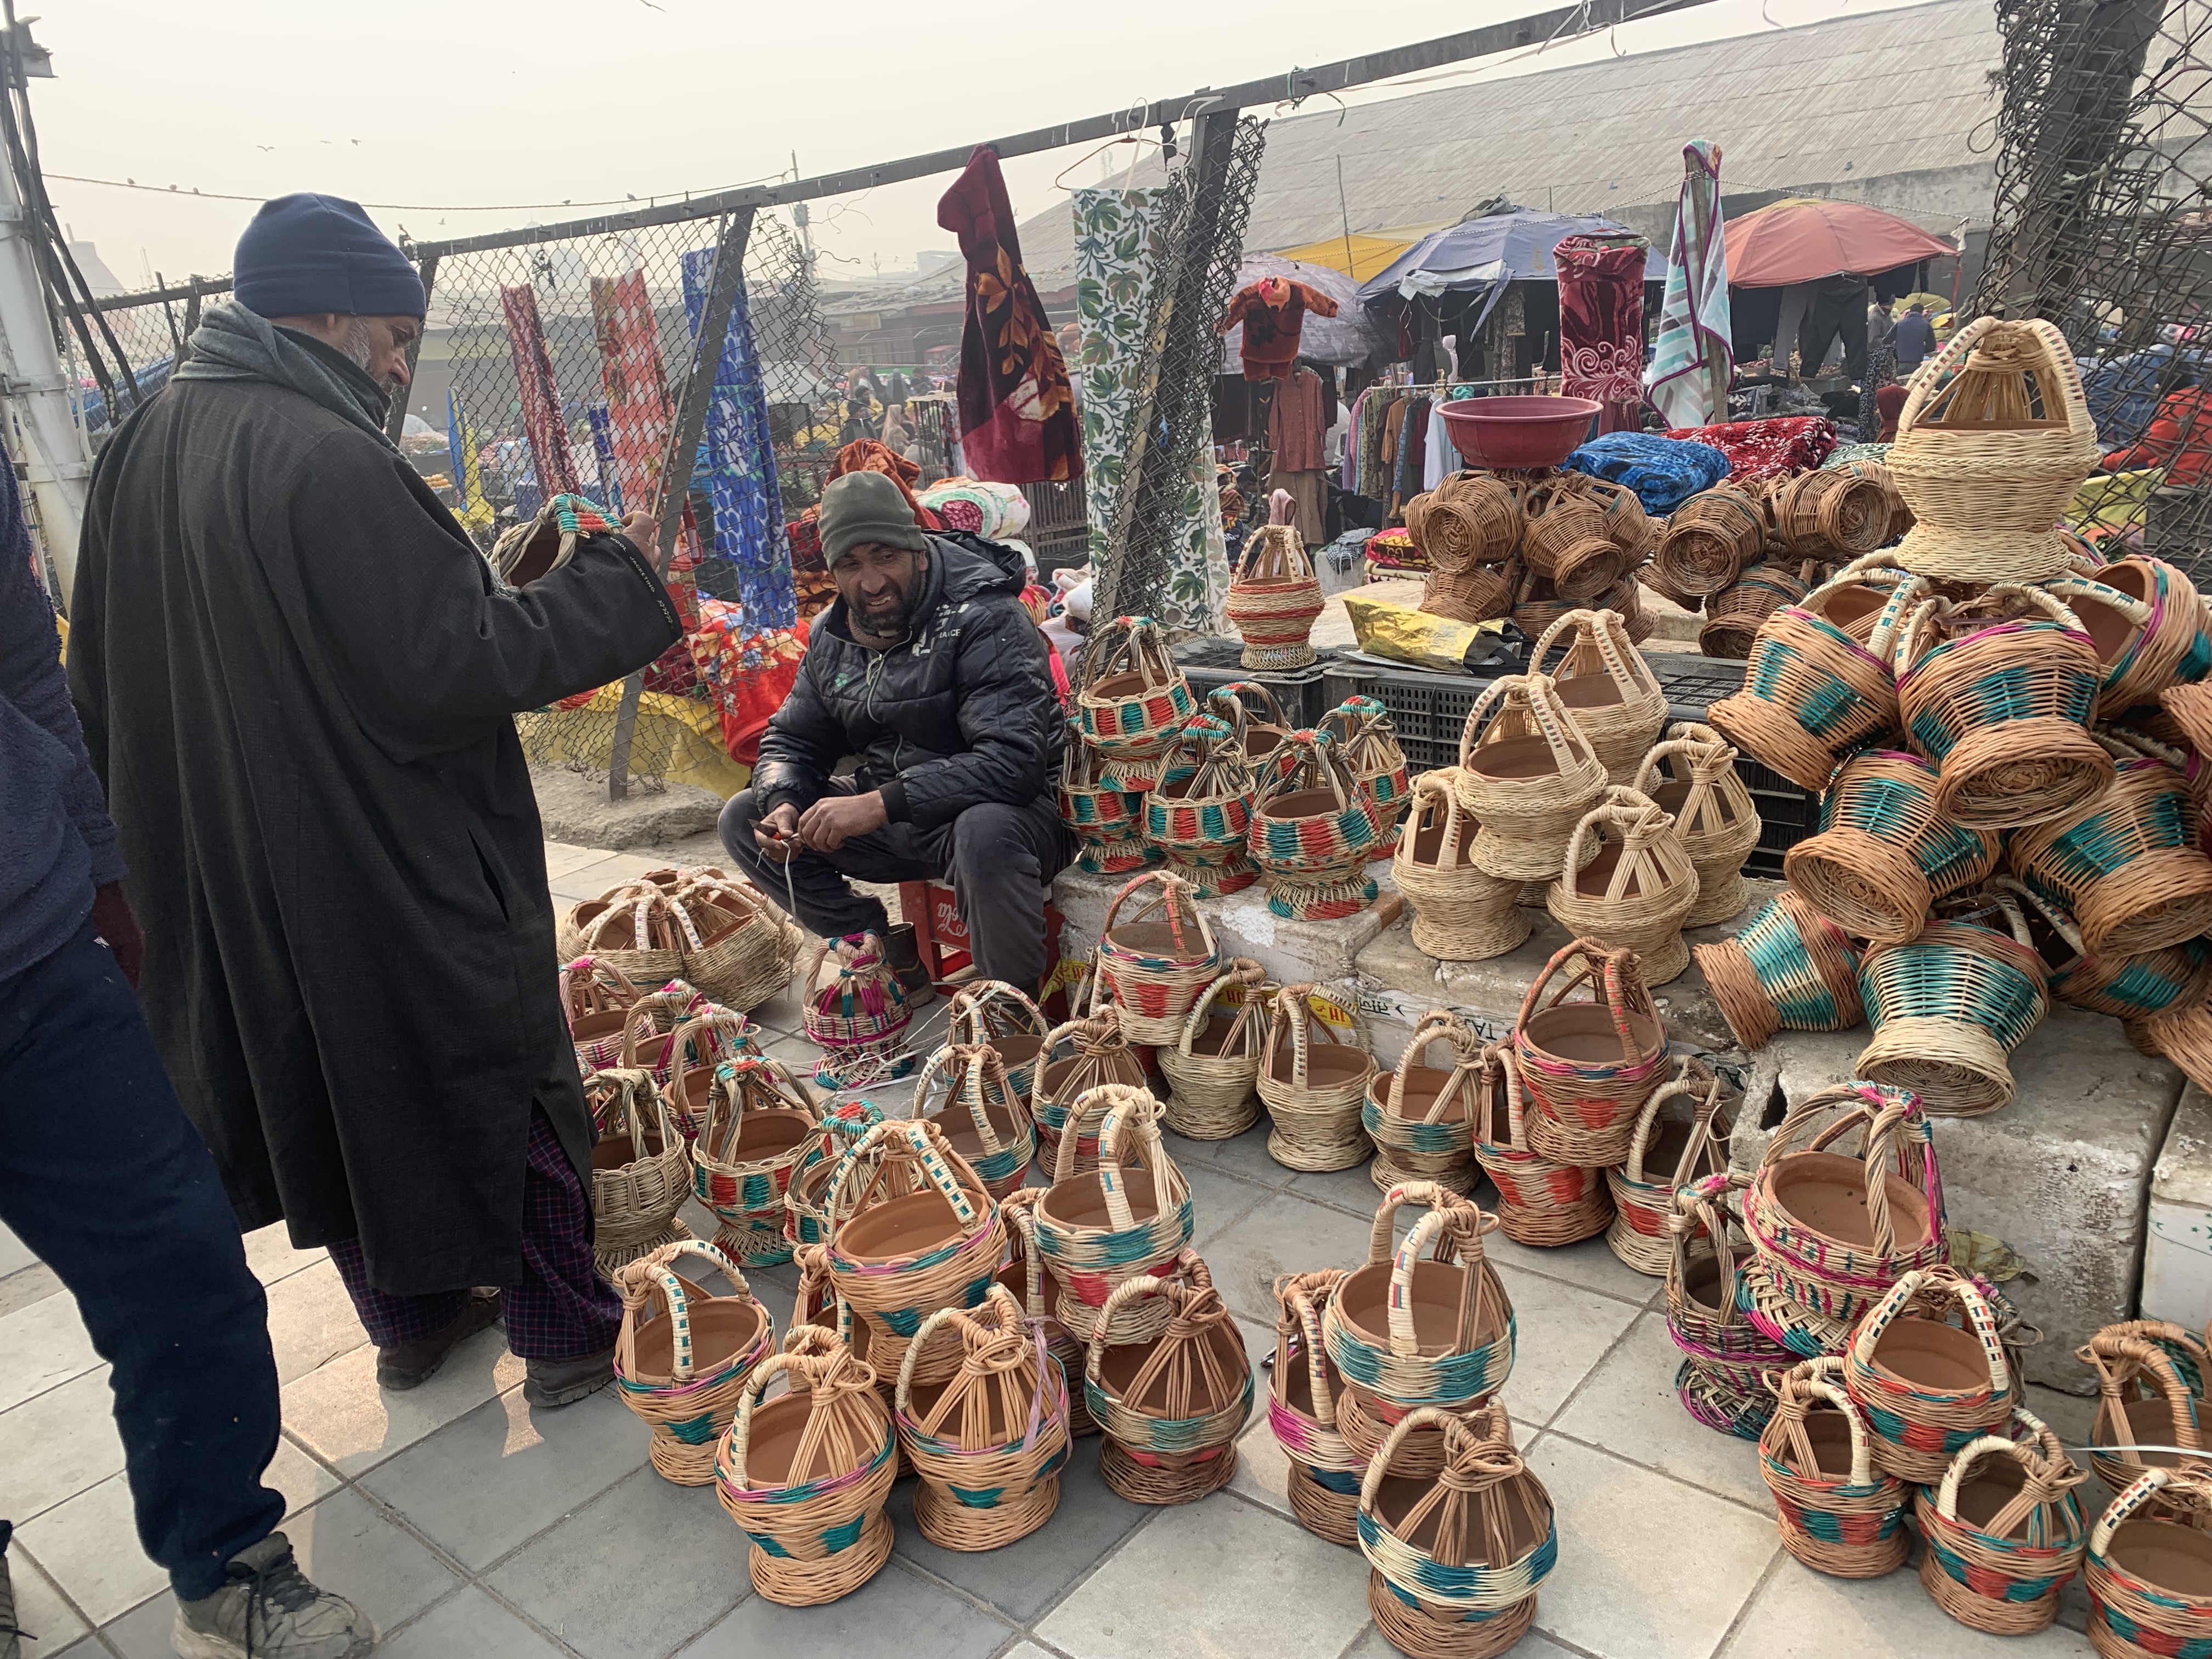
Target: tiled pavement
point(467, 1524)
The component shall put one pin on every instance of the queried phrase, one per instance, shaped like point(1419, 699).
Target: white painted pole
point(56, 459)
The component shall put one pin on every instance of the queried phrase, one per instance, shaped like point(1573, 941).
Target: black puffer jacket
point(962, 711)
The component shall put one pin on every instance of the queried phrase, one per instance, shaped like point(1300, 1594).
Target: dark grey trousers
point(998, 859)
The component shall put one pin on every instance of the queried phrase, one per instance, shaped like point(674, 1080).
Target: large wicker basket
point(1634, 892)
point(1273, 598)
point(2124, 863)
point(1131, 1213)
point(1315, 828)
point(758, 1122)
point(640, 1167)
point(1526, 776)
point(1313, 1090)
point(1886, 850)
point(1212, 1068)
point(1170, 1385)
point(1462, 913)
point(1691, 777)
point(1421, 1117)
point(682, 1357)
point(1838, 1512)
point(1200, 817)
point(1603, 680)
point(1411, 1331)
point(1540, 1203)
point(1708, 540)
point(1153, 964)
point(1949, 1007)
point(896, 1259)
point(1927, 1387)
point(1588, 1061)
point(1132, 699)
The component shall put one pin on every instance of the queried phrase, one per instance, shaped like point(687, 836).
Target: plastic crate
point(1208, 662)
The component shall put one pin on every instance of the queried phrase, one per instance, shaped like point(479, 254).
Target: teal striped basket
point(682, 1357)
point(1791, 968)
point(806, 1218)
point(1885, 853)
point(1947, 1008)
point(2003, 1530)
point(2130, 989)
point(897, 1259)
point(1416, 1332)
point(2126, 864)
point(2135, 1559)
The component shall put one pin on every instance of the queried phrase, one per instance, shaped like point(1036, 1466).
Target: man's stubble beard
point(360, 350)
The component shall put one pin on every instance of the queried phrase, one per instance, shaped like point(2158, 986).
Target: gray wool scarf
point(233, 344)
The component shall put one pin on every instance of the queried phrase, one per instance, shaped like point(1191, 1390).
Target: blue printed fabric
point(740, 475)
point(1664, 472)
point(603, 446)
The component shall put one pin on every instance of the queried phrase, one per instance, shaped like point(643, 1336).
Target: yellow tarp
point(2113, 500)
point(675, 738)
point(1368, 253)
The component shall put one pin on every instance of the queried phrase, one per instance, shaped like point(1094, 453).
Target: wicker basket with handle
point(981, 1114)
point(1313, 1090)
point(2133, 988)
point(597, 996)
point(1200, 817)
point(1925, 1385)
point(1789, 969)
point(2125, 862)
point(630, 926)
point(1540, 1203)
point(1837, 1511)
point(1129, 1214)
point(1421, 1118)
point(1153, 964)
point(1735, 616)
point(1106, 815)
point(682, 1357)
point(1132, 699)
point(1171, 1393)
point(897, 1259)
point(2150, 1579)
point(1315, 828)
point(640, 1167)
point(1603, 680)
point(2003, 1530)
point(1528, 776)
point(1371, 743)
point(1214, 1067)
point(855, 1010)
point(739, 946)
point(2148, 626)
point(759, 1121)
point(1273, 596)
point(1324, 1471)
point(2151, 1378)
point(1588, 1062)
point(1693, 777)
point(1409, 1331)
point(991, 1011)
point(1669, 1152)
point(1462, 913)
point(1633, 893)
point(1253, 717)
point(1725, 1355)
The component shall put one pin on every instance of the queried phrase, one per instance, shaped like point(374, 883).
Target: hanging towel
point(1689, 378)
point(741, 475)
point(541, 397)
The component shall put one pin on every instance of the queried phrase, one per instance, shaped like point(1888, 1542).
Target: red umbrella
point(1803, 239)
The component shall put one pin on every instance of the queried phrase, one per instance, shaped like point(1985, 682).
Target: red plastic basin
point(1519, 431)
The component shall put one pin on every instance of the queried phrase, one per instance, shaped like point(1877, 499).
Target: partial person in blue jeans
point(106, 1181)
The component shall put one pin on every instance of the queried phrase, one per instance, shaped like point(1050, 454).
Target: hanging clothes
point(1688, 380)
point(542, 423)
point(640, 411)
point(474, 512)
point(1294, 434)
point(1018, 420)
point(1120, 244)
point(1441, 458)
point(1273, 312)
point(1602, 325)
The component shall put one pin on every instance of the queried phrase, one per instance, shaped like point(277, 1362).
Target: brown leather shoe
point(904, 955)
point(409, 1364)
point(554, 1382)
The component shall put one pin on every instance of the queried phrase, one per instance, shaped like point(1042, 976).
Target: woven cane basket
point(2148, 627)
point(1212, 1068)
point(897, 1259)
point(683, 1356)
point(1154, 964)
point(1315, 828)
point(688, 1075)
point(2132, 988)
point(1540, 1204)
point(1421, 1117)
point(640, 1167)
point(1633, 893)
point(739, 947)
point(1077, 1057)
point(759, 1121)
point(1886, 852)
point(1410, 1331)
point(597, 996)
point(1587, 1061)
point(1031, 1280)
point(1259, 731)
point(1925, 1385)
point(1834, 1232)
point(1564, 540)
point(2150, 1579)
point(1527, 776)
point(1805, 1333)
point(1734, 616)
point(1813, 690)
point(806, 1218)
point(1789, 969)
point(1693, 778)
point(630, 927)
point(1670, 1151)
point(1313, 1090)
point(1832, 515)
point(678, 1023)
point(1273, 598)
point(982, 1114)
point(806, 1474)
point(1726, 1357)
point(1324, 1471)
point(1455, 1561)
point(1171, 1393)
point(817, 1308)
point(1997, 694)
point(1949, 1008)
point(1129, 1215)
point(1836, 1511)
point(1106, 816)
point(855, 1012)
point(982, 1415)
point(1707, 541)
point(1132, 699)
point(2003, 1530)
point(1462, 913)
point(2124, 863)
point(2150, 1393)
point(1371, 744)
point(1200, 817)
point(1471, 518)
point(1604, 682)
point(1988, 477)
point(991, 1011)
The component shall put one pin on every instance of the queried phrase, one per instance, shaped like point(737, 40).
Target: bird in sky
point(264, 148)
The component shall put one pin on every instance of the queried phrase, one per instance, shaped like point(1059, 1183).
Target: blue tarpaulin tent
point(1509, 245)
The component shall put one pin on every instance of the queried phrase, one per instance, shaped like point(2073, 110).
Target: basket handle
point(1429, 788)
point(972, 1062)
point(1612, 974)
point(702, 1026)
point(1113, 649)
point(1437, 1023)
point(1483, 1463)
point(2042, 1483)
point(1134, 1109)
point(972, 1003)
point(1472, 727)
point(1019, 1209)
point(1936, 1283)
point(1800, 1386)
point(731, 1083)
point(1242, 971)
point(1231, 696)
point(922, 1138)
point(1938, 372)
point(1462, 1224)
point(2145, 1487)
point(1702, 1120)
point(1898, 1133)
point(2059, 922)
point(2082, 587)
point(640, 1279)
point(1682, 1083)
point(2126, 1355)
point(1295, 1296)
point(1698, 1209)
point(595, 971)
point(1500, 1055)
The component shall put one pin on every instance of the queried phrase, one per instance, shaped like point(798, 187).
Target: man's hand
point(643, 530)
point(834, 819)
point(777, 833)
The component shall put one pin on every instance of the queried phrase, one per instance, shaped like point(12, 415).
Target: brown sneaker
point(270, 1610)
point(409, 1364)
point(552, 1382)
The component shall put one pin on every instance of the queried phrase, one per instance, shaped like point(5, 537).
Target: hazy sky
point(469, 103)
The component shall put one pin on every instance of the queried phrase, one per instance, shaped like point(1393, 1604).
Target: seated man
point(927, 667)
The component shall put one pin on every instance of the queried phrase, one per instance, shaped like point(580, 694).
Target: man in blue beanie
point(297, 677)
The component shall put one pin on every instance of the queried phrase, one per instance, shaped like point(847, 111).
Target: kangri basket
point(1130, 1215)
point(982, 1114)
point(2132, 988)
point(682, 1357)
point(806, 1474)
point(1540, 1204)
point(1132, 699)
point(1315, 828)
point(1171, 1393)
point(1707, 540)
point(1949, 1008)
point(2150, 1393)
point(640, 1167)
point(738, 947)
point(759, 1121)
point(1154, 964)
point(1691, 777)
point(631, 928)
point(1587, 1064)
point(1789, 969)
point(1031, 1280)
point(1420, 1117)
point(1633, 893)
point(1735, 615)
point(677, 1025)
point(1273, 598)
point(1667, 1153)
point(597, 997)
point(1313, 1090)
point(981, 1417)
point(1324, 1473)
point(2147, 625)
point(1455, 1561)
point(1200, 817)
point(1925, 1385)
point(1411, 1332)
point(991, 1011)
point(1831, 513)
point(855, 1010)
point(1726, 1357)
point(1077, 1057)
point(1886, 852)
point(806, 1218)
point(1212, 1068)
point(817, 1308)
point(1259, 731)
point(894, 1261)
point(1473, 518)
point(1834, 1232)
point(2003, 1530)
point(2150, 1579)
point(2124, 863)
point(1564, 540)
point(1462, 913)
point(1106, 816)
point(1838, 1512)
point(1603, 681)
point(688, 1077)
point(1370, 745)
point(1528, 776)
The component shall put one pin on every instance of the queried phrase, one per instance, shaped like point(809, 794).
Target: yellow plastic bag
point(1404, 634)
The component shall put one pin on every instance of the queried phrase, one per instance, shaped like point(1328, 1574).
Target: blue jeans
point(103, 1178)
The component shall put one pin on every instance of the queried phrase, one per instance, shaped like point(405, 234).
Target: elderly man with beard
point(928, 668)
point(297, 677)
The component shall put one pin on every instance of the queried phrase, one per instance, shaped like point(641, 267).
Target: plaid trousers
point(561, 1309)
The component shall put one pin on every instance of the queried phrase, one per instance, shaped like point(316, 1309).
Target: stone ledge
point(2177, 1281)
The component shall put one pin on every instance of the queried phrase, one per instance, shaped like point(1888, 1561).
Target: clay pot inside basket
point(1829, 1433)
point(1428, 849)
point(1583, 1032)
point(1213, 1039)
point(761, 1135)
point(1586, 692)
point(615, 1150)
point(1422, 1085)
point(1121, 1067)
point(1114, 688)
point(1329, 1066)
point(1145, 938)
point(1935, 1356)
point(1018, 1050)
point(1079, 1203)
point(1305, 804)
point(1364, 1302)
point(1514, 760)
point(778, 1425)
point(2167, 1557)
point(1995, 1483)
point(2150, 1423)
point(587, 1029)
point(899, 1227)
point(1855, 608)
point(1118, 1365)
point(722, 1328)
point(1826, 1193)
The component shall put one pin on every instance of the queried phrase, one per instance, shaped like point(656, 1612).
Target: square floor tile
point(41, 1345)
point(1245, 1155)
point(563, 857)
point(1591, 1262)
point(1263, 1470)
point(502, 1474)
point(641, 1570)
point(1561, 1332)
point(469, 1624)
point(894, 1613)
point(56, 1444)
point(1219, 1200)
point(269, 1252)
point(1620, 1591)
point(1023, 1579)
point(1281, 1235)
point(48, 1624)
point(1630, 1407)
point(1374, 1645)
point(299, 1477)
point(1353, 1190)
point(1217, 1579)
point(312, 1320)
point(89, 1547)
point(1798, 1614)
point(339, 1413)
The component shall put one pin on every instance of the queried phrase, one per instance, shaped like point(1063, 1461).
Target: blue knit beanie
point(308, 254)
